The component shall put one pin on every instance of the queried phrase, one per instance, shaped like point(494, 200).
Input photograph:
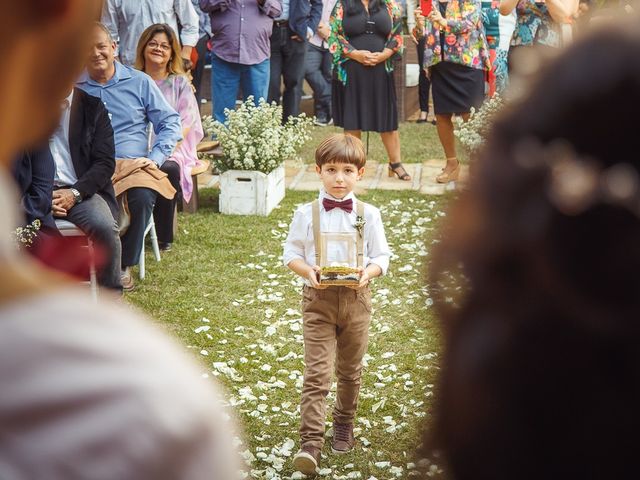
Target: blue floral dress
point(534, 25)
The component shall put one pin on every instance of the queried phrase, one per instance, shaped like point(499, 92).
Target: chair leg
point(154, 242)
point(141, 264)
point(93, 280)
point(151, 229)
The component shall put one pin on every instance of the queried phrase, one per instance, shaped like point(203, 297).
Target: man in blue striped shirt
point(133, 101)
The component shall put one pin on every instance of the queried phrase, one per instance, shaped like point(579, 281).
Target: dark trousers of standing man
point(287, 62)
point(424, 84)
point(318, 75)
point(198, 71)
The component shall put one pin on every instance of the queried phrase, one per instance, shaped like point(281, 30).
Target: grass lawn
point(419, 143)
point(224, 293)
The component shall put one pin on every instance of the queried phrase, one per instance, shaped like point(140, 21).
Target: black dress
point(368, 100)
point(455, 88)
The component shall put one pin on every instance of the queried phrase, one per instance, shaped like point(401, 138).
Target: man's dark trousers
point(287, 62)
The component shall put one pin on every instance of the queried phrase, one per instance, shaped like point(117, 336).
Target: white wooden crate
point(248, 192)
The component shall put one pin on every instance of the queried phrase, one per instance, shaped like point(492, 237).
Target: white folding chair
point(151, 229)
point(68, 229)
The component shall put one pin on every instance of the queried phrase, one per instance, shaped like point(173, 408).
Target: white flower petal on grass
point(396, 471)
point(202, 328)
point(324, 471)
point(270, 330)
point(386, 355)
point(382, 465)
point(378, 405)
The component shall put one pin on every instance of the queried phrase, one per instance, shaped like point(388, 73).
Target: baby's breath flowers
point(254, 138)
point(25, 236)
point(473, 133)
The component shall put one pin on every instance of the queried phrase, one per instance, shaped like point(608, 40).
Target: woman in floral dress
point(365, 37)
point(538, 22)
point(158, 55)
point(456, 58)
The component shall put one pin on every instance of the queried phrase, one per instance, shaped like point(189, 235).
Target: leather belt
point(281, 23)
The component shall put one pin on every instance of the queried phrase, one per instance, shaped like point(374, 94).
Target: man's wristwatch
point(76, 195)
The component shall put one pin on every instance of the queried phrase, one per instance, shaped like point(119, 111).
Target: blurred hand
point(374, 58)
point(436, 17)
point(147, 162)
point(63, 201)
point(364, 280)
point(314, 278)
point(187, 64)
point(324, 31)
point(360, 56)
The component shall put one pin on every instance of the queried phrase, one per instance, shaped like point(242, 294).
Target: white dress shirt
point(300, 242)
point(127, 19)
point(59, 146)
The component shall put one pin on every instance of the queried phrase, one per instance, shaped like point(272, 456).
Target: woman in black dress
point(365, 36)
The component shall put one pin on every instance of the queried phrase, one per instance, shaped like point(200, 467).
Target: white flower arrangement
point(473, 133)
point(254, 138)
point(24, 237)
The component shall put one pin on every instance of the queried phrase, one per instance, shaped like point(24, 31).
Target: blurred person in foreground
point(88, 391)
point(541, 367)
point(159, 57)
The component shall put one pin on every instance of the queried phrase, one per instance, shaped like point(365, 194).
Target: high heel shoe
point(451, 176)
point(399, 170)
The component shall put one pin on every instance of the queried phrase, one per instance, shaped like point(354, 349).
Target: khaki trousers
point(335, 325)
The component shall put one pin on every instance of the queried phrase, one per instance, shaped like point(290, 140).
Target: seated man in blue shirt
point(133, 101)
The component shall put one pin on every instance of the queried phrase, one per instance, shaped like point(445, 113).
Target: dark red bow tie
point(346, 205)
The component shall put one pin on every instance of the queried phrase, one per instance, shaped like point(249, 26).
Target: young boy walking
point(336, 318)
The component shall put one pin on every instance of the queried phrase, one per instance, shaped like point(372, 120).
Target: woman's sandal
point(399, 170)
point(451, 176)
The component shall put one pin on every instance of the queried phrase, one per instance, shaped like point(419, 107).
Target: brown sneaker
point(307, 460)
point(343, 440)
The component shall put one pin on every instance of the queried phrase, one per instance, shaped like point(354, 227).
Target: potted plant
point(255, 143)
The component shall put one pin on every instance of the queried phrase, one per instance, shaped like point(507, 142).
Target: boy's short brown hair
point(341, 148)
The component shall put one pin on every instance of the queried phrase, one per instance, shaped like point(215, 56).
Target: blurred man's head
point(44, 43)
point(100, 64)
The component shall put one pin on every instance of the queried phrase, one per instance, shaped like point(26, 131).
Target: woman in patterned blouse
point(456, 58)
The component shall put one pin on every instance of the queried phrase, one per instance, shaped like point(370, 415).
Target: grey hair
point(104, 28)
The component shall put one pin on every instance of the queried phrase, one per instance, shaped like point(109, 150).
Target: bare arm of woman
point(507, 6)
point(562, 10)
